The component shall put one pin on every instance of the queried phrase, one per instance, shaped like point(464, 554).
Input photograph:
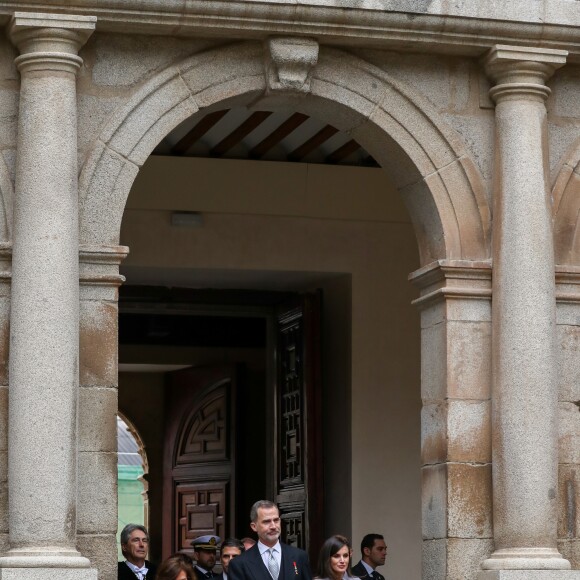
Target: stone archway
point(431, 167)
point(437, 178)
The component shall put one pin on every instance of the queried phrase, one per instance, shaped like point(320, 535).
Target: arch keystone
point(289, 63)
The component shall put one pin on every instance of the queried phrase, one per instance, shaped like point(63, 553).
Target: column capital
point(521, 72)
point(49, 41)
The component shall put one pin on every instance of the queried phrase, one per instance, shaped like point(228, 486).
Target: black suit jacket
point(201, 574)
point(250, 566)
point(125, 573)
point(360, 571)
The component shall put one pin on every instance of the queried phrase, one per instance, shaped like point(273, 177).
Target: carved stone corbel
point(289, 63)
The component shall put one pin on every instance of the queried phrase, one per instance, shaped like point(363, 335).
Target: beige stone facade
point(461, 423)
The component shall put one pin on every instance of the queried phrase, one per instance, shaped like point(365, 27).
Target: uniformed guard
point(205, 548)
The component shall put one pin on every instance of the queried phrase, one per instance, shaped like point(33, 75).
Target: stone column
point(524, 392)
point(455, 305)
point(44, 334)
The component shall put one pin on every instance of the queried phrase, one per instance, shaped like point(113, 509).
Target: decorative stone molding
point(568, 284)
point(99, 265)
point(49, 42)
point(466, 28)
point(289, 63)
point(464, 279)
point(452, 279)
point(5, 261)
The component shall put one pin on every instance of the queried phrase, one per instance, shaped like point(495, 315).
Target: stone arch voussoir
point(428, 161)
point(6, 204)
point(566, 209)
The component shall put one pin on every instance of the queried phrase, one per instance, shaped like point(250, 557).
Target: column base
point(526, 559)
point(46, 564)
point(529, 575)
point(48, 573)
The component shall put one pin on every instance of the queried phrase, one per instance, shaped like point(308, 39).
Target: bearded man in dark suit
point(269, 559)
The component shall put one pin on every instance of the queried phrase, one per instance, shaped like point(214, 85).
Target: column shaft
point(44, 352)
point(44, 316)
point(525, 394)
point(524, 391)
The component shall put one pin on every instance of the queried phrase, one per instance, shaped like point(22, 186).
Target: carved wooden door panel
point(298, 426)
point(199, 456)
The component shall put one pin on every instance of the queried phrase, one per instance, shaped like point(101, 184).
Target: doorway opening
point(212, 457)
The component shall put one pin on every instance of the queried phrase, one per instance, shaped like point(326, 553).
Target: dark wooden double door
point(227, 445)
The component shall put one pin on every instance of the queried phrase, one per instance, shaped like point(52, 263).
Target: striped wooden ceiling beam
point(343, 152)
point(278, 134)
point(231, 140)
point(197, 132)
point(316, 141)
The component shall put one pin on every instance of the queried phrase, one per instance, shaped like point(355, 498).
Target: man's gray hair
point(129, 529)
point(261, 504)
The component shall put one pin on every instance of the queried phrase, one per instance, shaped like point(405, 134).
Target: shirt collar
point(367, 567)
point(134, 568)
point(263, 548)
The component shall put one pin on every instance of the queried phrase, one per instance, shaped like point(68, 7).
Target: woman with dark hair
point(334, 559)
point(176, 567)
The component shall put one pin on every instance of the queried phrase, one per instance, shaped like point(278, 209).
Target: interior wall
point(382, 465)
point(337, 407)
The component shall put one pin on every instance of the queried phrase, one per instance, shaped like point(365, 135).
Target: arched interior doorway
point(354, 244)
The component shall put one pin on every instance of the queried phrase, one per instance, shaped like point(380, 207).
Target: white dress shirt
point(141, 573)
point(276, 551)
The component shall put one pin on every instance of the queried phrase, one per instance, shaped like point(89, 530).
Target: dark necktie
point(209, 575)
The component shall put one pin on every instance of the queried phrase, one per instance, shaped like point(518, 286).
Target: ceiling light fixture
point(187, 219)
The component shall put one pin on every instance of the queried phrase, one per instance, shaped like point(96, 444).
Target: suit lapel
point(257, 564)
